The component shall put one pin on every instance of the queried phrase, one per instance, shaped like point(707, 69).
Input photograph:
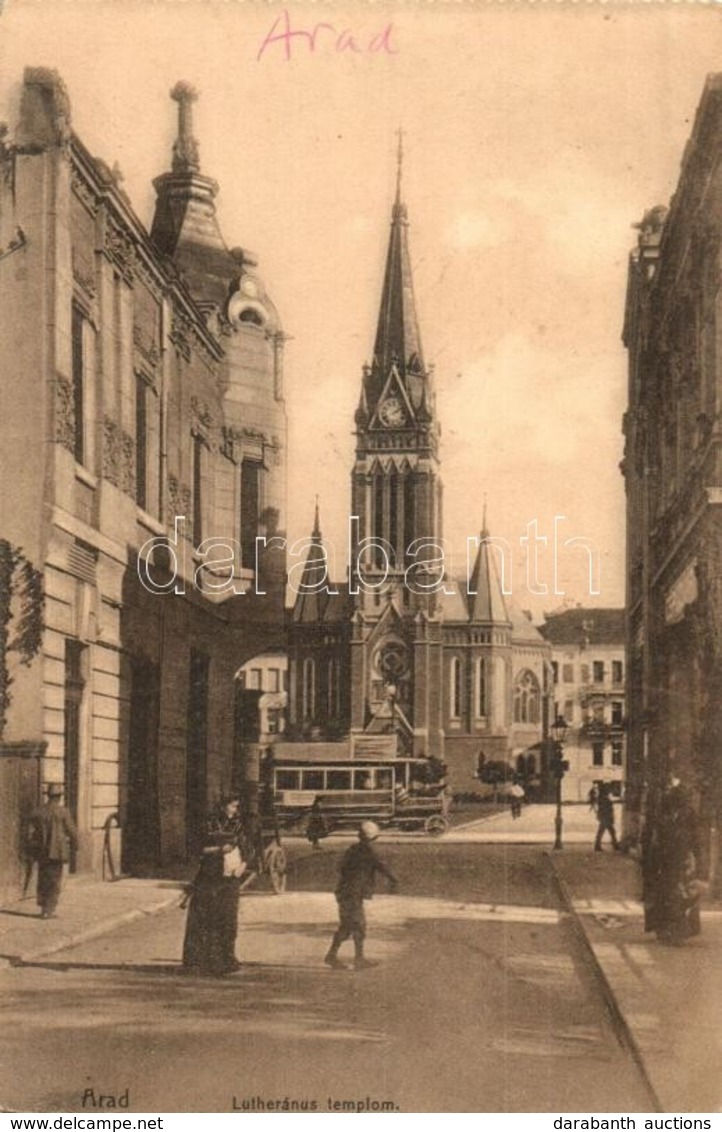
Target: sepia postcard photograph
point(361, 559)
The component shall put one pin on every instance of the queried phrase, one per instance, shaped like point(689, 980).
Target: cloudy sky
point(535, 137)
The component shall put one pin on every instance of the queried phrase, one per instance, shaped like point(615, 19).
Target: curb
point(622, 1029)
point(84, 935)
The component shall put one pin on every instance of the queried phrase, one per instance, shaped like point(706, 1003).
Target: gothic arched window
point(527, 698)
point(481, 710)
point(309, 689)
point(455, 687)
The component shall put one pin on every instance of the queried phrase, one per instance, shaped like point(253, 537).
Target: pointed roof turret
point(185, 211)
point(314, 588)
point(484, 594)
point(398, 341)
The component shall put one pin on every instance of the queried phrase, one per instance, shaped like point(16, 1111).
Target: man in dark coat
point(605, 818)
point(52, 835)
point(356, 884)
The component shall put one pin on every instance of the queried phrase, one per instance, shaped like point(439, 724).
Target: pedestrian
point(605, 817)
point(593, 797)
point(671, 860)
point(356, 884)
point(516, 797)
point(317, 828)
point(51, 836)
point(209, 945)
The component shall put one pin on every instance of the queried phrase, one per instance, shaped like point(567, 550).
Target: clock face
point(391, 412)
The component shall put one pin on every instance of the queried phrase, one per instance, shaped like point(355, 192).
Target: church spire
point(398, 341)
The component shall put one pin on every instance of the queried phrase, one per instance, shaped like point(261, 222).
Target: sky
point(535, 136)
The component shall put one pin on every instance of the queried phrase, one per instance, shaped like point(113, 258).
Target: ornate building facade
point(673, 479)
point(144, 446)
point(588, 660)
point(402, 660)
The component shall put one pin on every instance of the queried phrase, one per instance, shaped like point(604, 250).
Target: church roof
point(585, 626)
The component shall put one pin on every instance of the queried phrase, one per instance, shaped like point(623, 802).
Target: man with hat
point(356, 884)
point(52, 835)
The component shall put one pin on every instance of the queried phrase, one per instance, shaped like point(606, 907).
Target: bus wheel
point(275, 862)
point(436, 825)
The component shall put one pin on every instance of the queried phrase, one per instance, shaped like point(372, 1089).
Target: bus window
point(339, 779)
point(312, 780)
point(363, 780)
point(287, 779)
point(384, 778)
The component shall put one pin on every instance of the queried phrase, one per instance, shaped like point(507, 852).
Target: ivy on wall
point(22, 602)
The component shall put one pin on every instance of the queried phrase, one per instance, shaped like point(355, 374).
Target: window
point(338, 779)
point(274, 680)
point(78, 380)
point(617, 713)
point(481, 688)
point(255, 679)
point(568, 673)
point(141, 442)
point(584, 673)
point(250, 510)
point(617, 747)
point(598, 671)
point(569, 711)
point(617, 672)
point(598, 712)
point(598, 754)
point(287, 779)
point(309, 689)
point(526, 698)
point(197, 474)
point(555, 671)
point(312, 780)
point(456, 689)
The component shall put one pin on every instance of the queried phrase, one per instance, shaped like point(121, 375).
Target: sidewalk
point(666, 1002)
point(88, 908)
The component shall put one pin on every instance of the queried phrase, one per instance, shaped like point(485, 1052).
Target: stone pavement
point(666, 1003)
point(88, 908)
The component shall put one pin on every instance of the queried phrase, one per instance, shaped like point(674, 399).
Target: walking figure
point(317, 828)
point(356, 884)
point(516, 797)
point(605, 818)
point(52, 834)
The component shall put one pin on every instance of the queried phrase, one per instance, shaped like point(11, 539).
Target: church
point(400, 660)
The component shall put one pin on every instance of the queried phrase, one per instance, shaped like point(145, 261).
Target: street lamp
point(559, 730)
point(391, 692)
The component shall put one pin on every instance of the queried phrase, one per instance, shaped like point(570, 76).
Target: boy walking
point(356, 884)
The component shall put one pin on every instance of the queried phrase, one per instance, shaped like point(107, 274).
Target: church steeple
point(398, 341)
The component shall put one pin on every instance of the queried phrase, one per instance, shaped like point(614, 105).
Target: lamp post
point(559, 733)
point(391, 692)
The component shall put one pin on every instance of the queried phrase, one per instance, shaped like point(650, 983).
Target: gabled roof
point(582, 626)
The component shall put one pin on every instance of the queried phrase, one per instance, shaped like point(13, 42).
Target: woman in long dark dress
point(209, 946)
